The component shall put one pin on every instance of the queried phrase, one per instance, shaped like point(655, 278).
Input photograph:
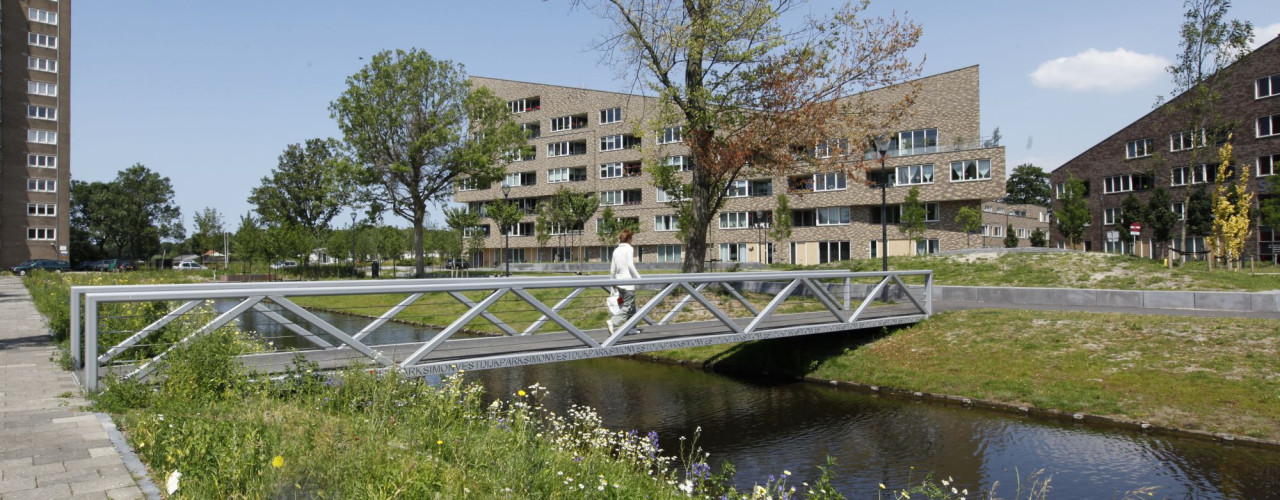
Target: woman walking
point(622, 267)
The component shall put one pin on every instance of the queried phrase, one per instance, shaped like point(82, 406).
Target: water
point(764, 427)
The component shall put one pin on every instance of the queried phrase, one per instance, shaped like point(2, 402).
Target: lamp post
point(882, 147)
point(506, 234)
point(760, 225)
point(353, 244)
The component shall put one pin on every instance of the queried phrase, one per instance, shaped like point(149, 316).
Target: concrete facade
point(35, 97)
point(947, 107)
point(1171, 164)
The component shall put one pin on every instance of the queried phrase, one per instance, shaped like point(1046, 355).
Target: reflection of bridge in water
point(675, 311)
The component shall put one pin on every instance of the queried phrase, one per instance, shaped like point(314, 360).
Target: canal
point(765, 426)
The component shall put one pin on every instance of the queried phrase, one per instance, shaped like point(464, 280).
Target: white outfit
point(623, 265)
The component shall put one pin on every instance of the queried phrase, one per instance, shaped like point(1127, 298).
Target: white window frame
point(1272, 86)
point(42, 161)
point(727, 251)
point(1179, 209)
point(42, 16)
point(611, 198)
point(666, 223)
point(1271, 162)
point(671, 135)
point(737, 189)
point(557, 175)
point(670, 253)
point(558, 149)
point(36, 87)
point(468, 184)
point(735, 220)
point(835, 216)
point(1109, 216)
point(42, 64)
point(1272, 127)
point(42, 112)
point(611, 143)
point(38, 136)
point(911, 175)
point(978, 166)
point(1202, 171)
point(907, 145)
point(663, 197)
point(562, 123)
point(1186, 140)
point(1140, 148)
point(611, 170)
point(38, 185)
point(1117, 184)
point(936, 208)
point(927, 246)
point(610, 115)
point(42, 40)
point(681, 162)
point(830, 181)
point(42, 210)
point(42, 234)
point(1178, 176)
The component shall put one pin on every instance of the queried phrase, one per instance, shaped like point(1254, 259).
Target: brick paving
point(50, 447)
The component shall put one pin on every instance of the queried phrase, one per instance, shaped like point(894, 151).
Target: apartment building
point(35, 137)
point(1158, 150)
point(998, 217)
point(591, 141)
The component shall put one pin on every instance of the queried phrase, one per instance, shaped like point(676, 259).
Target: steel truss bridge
point(532, 319)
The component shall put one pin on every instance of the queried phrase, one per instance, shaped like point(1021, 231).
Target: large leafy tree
point(459, 219)
point(751, 88)
point(310, 185)
point(569, 210)
point(417, 127)
point(208, 231)
point(970, 221)
point(505, 215)
point(90, 213)
point(143, 211)
point(1074, 212)
point(1028, 185)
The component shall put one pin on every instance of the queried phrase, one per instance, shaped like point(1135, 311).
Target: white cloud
point(1264, 34)
point(1114, 71)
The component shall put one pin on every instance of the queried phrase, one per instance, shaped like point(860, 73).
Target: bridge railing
point(730, 305)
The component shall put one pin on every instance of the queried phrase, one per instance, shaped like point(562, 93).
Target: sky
point(209, 94)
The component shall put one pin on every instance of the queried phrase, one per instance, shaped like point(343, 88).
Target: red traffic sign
point(1135, 229)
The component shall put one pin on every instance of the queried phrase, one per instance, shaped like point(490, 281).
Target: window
point(760, 187)
point(1179, 209)
point(1139, 148)
point(482, 229)
point(42, 112)
point(1024, 233)
point(1109, 216)
point(611, 197)
point(566, 174)
point(893, 214)
point(1267, 86)
point(42, 161)
point(531, 130)
point(523, 105)
point(665, 223)
point(42, 16)
point(832, 216)
point(42, 136)
point(826, 148)
point(42, 40)
point(830, 181)
point(42, 88)
point(914, 174)
point(1269, 126)
point(1181, 141)
point(469, 184)
point(914, 142)
point(42, 185)
point(669, 253)
point(736, 189)
point(568, 122)
point(926, 247)
point(42, 209)
point(521, 229)
point(566, 148)
point(670, 135)
point(733, 252)
point(1201, 173)
point(1178, 176)
point(675, 195)
point(680, 163)
point(42, 64)
point(1118, 184)
point(932, 212)
point(832, 251)
point(735, 220)
point(42, 233)
point(970, 170)
point(1059, 190)
point(611, 142)
point(516, 179)
point(557, 229)
point(611, 170)
point(611, 115)
point(1267, 165)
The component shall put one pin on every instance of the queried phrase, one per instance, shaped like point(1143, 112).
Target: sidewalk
point(49, 446)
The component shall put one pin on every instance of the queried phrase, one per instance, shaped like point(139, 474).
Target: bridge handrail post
point(90, 344)
point(74, 329)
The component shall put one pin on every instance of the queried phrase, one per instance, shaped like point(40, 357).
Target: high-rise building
point(35, 132)
point(590, 141)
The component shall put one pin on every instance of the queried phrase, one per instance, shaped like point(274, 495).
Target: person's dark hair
point(625, 236)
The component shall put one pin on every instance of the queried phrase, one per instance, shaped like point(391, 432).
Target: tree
point(1010, 237)
point(750, 90)
point(1028, 185)
point(1074, 214)
point(143, 211)
point(1231, 205)
point(505, 214)
point(1269, 207)
point(781, 228)
point(90, 212)
point(611, 225)
point(1131, 212)
point(1160, 217)
point(542, 228)
point(570, 210)
point(913, 215)
point(459, 219)
point(249, 241)
point(208, 230)
point(390, 243)
point(1038, 238)
point(417, 128)
point(310, 185)
point(970, 221)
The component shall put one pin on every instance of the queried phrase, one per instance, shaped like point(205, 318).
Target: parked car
point(284, 264)
point(87, 265)
point(457, 264)
point(56, 266)
point(127, 265)
point(187, 265)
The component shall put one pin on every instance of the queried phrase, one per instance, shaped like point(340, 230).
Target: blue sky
point(210, 93)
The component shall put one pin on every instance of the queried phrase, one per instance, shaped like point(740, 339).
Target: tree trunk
point(419, 271)
point(695, 257)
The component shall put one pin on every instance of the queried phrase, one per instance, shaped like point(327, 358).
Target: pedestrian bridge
point(129, 329)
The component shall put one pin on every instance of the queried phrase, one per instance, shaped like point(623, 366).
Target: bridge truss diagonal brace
point(907, 291)
point(485, 314)
point(680, 305)
point(720, 315)
point(644, 311)
point(453, 328)
point(741, 300)
point(772, 306)
point(547, 312)
point(866, 301)
point(217, 322)
point(646, 317)
point(291, 326)
point(386, 316)
point(556, 308)
point(825, 298)
point(332, 330)
point(147, 331)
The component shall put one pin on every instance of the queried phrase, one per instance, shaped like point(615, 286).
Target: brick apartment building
point(587, 140)
point(35, 132)
point(1158, 150)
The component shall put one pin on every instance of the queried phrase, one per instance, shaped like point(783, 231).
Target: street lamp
point(882, 146)
point(506, 233)
point(760, 225)
point(353, 244)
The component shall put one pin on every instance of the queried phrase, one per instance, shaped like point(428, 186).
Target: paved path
point(49, 446)
point(955, 305)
